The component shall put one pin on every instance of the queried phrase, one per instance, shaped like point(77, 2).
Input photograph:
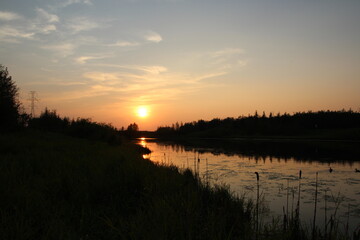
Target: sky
point(182, 60)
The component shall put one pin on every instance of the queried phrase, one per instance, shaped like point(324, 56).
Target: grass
point(58, 187)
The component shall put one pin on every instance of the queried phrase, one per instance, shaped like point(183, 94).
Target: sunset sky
point(182, 60)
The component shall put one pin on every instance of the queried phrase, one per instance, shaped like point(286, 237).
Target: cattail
point(257, 204)
point(287, 198)
point(314, 225)
point(325, 216)
point(297, 214)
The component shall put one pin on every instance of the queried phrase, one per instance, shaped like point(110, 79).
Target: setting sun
point(142, 112)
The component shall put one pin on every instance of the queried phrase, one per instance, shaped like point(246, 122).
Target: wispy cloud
point(225, 59)
point(51, 18)
point(85, 59)
point(140, 68)
point(133, 84)
point(62, 49)
point(8, 16)
point(227, 52)
point(10, 32)
point(153, 37)
point(80, 24)
point(209, 75)
point(70, 47)
point(103, 77)
point(151, 69)
point(153, 83)
point(44, 23)
point(124, 44)
point(70, 2)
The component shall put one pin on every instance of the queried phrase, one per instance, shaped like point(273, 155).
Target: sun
point(142, 112)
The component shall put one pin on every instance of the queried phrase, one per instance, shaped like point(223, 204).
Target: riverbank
point(59, 187)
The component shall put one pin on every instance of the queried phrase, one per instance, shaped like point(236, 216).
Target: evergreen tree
point(10, 117)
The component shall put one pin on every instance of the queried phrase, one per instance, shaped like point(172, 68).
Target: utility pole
point(33, 99)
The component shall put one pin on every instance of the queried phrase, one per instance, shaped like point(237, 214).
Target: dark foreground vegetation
point(58, 187)
point(339, 125)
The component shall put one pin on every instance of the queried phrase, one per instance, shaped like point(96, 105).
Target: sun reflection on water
point(143, 142)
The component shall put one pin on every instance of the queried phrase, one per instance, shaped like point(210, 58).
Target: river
point(278, 164)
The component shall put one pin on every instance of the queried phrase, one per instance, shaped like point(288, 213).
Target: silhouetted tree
point(263, 115)
point(133, 127)
point(10, 117)
point(49, 120)
point(132, 130)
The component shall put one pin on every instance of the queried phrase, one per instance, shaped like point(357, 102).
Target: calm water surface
point(279, 175)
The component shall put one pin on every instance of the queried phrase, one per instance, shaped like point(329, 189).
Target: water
point(234, 163)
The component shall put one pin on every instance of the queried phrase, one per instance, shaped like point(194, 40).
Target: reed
point(257, 204)
point(287, 198)
point(314, 221)
point(297, 210)
point(325, 225)
point(347, 220)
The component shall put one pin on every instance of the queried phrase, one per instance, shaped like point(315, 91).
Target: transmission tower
point(33, 99)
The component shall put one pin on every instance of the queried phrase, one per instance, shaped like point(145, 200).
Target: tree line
point(299, 123)
point(13, 117)
point(49, 120)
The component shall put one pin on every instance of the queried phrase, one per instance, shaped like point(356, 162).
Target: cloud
point(85, 59)
point(124, 44)
point(104, 77)
point(152, 69)
point(153, 37)
point(133, 84)
point(70, 2)
point(8, 16)
point(9, 32)
point(210, 75)
point(62, 50)
point(81, 24)
point(227, 58)
point(66, 48)
point(227, 52)
point(153, 83)
point(43, 23)
point(50, 18)
point(141, 68)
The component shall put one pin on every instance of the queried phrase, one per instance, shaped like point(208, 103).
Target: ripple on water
point(352, 181)
point(275, 176)
point(229, 173)
point(249, 188)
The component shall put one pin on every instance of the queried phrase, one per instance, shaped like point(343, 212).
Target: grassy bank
point(58, 187)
